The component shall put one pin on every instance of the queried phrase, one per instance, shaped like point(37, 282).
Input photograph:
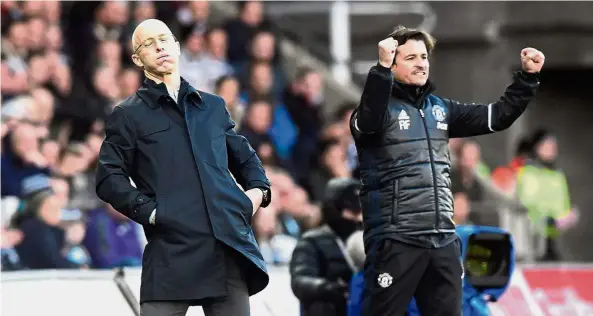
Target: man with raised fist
point(401, 130)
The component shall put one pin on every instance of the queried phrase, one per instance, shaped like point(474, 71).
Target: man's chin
point(420, 82)
point(166, 68)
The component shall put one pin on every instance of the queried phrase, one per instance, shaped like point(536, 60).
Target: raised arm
point(372, 109)
point(468, 120)
point(113, 171)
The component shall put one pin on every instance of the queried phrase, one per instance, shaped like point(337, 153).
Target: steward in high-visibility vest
point(543, 189)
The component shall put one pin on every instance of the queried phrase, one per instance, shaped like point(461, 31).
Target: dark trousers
point(396, 272)
point(236, 303)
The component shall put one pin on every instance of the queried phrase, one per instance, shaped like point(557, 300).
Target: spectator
point(44, 240)
point(98, 102)
point(73, 224)
point(112, 239)
point(193, 18)
point(33, 8)
point(242, 29)
point(39, 72)
point(485, 201)
point(330, 164)
point(52, 12)
point(257, 123)
point(143, 10)
point(463, 175)
point(14, 66)
point(262, 50)
point(21, 157)
point(74, 166)
point(217, 43)
point(15, 111)
point(211, 67)
point(228, 88)
point(36, 30)
point(279, 225)
point(190, 61)
point(107, 22)
point(11, 12)
point(260, 84)
point(303, 100)
point(129, 82)
point(109, 55)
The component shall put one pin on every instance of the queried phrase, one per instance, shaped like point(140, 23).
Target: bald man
point(179, 147)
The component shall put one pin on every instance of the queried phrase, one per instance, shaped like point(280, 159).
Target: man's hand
point(256, 196)
point(387, 49)
point(532, 60)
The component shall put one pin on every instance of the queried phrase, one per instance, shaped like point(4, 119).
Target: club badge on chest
point(441, 116)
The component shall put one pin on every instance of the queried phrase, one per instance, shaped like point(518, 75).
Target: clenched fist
point(532, 60)
point(387, 49)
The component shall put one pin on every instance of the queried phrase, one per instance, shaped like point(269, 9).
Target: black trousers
point(236, 303)
point(395, 272)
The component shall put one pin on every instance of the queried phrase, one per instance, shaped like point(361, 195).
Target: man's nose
point(159, 46)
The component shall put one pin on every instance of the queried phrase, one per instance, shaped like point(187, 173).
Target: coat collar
point(413, 94)
point(154, 94)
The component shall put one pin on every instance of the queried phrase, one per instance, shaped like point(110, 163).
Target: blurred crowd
point(65, 65)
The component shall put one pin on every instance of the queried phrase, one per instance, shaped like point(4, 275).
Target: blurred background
point(290, 72)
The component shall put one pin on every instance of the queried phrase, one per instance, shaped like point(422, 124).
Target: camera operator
point(320, 267)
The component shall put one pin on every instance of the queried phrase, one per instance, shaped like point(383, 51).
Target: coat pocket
point(247, 222)
point(151, 131)
point(395, 201)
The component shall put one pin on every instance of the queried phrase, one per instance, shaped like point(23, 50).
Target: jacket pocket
point(246, 222)
point(395, 201)
point(151, 131)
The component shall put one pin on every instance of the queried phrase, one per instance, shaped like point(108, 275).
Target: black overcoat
point(181, 261)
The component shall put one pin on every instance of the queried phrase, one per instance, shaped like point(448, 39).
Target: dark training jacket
point(401, 134)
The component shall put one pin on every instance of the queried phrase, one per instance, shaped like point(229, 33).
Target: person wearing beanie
point(321, 267)
point(43, 239)
point(543, 189)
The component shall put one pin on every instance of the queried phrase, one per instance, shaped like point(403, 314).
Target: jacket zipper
point(434, 177)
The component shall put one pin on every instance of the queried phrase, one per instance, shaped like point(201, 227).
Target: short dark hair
point(402, 34)
point(221, 80)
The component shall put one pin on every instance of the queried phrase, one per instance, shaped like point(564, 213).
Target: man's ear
point(137, 61)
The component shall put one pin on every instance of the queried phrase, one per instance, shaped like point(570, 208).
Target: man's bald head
point(150, 26)
point(155, 48)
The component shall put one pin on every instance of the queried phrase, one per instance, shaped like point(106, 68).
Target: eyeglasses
point(32, 122)
point(163, 38)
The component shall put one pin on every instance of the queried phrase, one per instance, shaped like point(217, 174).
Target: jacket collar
point(154, 94)
point(411, 93)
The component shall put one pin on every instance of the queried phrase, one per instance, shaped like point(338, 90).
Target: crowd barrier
point(539, 290)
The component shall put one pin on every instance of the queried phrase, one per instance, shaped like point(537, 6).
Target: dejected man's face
point(155, 47)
